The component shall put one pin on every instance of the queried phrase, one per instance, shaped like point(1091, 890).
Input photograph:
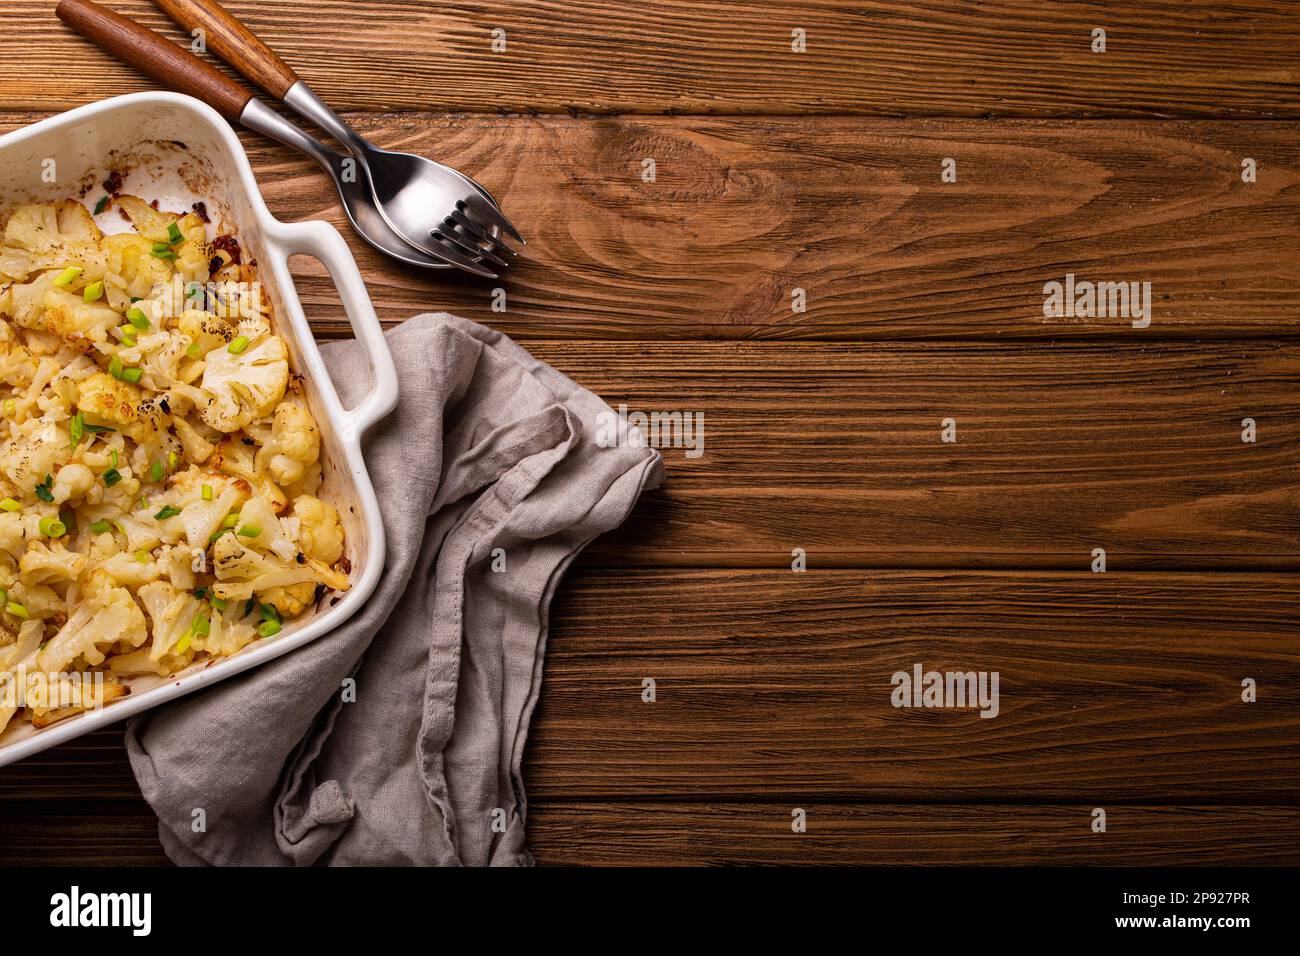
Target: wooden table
point(821, 171)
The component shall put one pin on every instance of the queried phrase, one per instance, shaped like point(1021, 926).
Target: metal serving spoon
point(427, 203)
point(180, 70)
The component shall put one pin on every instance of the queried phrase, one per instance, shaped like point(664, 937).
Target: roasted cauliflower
point(159, 463)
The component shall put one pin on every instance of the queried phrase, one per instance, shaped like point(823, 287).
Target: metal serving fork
point(435, 208)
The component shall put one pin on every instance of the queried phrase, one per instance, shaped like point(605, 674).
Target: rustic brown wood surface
point(915, 57)
point(924, 302)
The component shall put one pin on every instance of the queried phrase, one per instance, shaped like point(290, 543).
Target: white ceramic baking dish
point(177, 150)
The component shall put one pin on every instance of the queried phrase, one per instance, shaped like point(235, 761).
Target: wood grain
point(924, 57)
point(656, 834)
point(692, 834)
point(775, 686)
point(851, 211)
point(1061, 449)
point(1113, 687)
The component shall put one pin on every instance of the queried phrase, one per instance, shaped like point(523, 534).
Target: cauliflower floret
point(291, 600)
point(320, 533)
point(294, 443)
point(72, 481)
point(50, 235)
point(27, 460)
point(80, 323)
point(106, 615)
point(177, 564)
point(241, 571)
point(160, 355)
point(228, 631)
point(244, 386)
point(235, 458)
point(201, 519)
point(132, 270)
point(193, 254)
point(172, 613)
point(271, 535)
point(13, 534)
point(197, 448)
point(43, 563)
point(129, 571)
point(41, 600)
point(149, 222)
point(105, 400)
point(205, 330)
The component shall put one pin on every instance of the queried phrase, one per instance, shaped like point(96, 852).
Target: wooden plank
point(1060, 449)
point(95, 833)
point(658, 834)
point(924, 57)
point(774, 684)
point(1114, 688)
point(851, 211)
point(677, 834)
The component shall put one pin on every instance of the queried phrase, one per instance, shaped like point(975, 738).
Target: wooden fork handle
point(233, 42)
point(155, 56)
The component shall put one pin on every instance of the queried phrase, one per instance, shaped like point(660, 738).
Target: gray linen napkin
point(488, 448)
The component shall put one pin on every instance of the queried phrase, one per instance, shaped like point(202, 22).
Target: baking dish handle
point(323, 242)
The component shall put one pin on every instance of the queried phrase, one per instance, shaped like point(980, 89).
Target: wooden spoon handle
point(155, 56)
point(234, 43)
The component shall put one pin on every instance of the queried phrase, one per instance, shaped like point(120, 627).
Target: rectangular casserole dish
point(177, 150)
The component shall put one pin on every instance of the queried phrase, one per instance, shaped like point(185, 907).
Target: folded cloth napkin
point(488, 449)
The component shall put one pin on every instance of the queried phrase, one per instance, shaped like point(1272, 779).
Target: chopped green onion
point(128, 335)
point(167, 512)
point(112, 477)
point(206, 491)
point(183, 644)
point(249, 605)
point(100, 428)
point(174, 234)
point(268, 628)
point(115, 367)
point(137, 318)
point(173, 460)
point(249, 531)
point(219, 604)
point(268, 612)
point(43, 490)
point(113, 458)
point(217, 534)
point(101, 205)
point(77, 428)
point(156, 472)
point(142, 556)
point(201, 625)
point(4, 597)
point(92, 292)
point(16, 609)
point(163, 251)
point(52, 527)
point(238, 345)
point(132, 374)
point(10, 505)
point(67, 276)
point(99, 527)
point(193, 350)
point(229, 521)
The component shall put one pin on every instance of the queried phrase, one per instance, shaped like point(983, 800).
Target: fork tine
point(477, 231)
point(469, 245)
point(451, 252)
point(491, 214)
